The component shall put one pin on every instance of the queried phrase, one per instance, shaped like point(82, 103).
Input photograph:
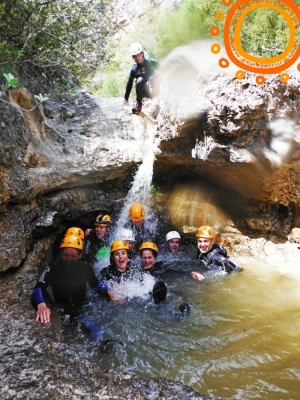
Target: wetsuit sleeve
point(128, 88)
point(154, 62)
point(132, 75)
point(102, 287)
point(38, 295)
point(91, 277)
point(226, 265)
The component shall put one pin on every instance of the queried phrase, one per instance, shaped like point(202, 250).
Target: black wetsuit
point(93, 245)
point(155, 271)
point(142, 73)
point(164, 251)
point(111, 273)
point(67, 280)
point(216, 259)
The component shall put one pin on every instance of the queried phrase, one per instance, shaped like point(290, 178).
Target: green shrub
point(56, 33)
point(110, 86)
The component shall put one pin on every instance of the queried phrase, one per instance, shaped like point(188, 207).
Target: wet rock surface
point(87, 140)
point(22, 225)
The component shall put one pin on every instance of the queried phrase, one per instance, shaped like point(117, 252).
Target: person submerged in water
point(97, 239)
point(136, 222)
point(128, 236)
point(149, 253)
point(213, 256)
point(172, 244)
point(68, 278)
point(122, 270)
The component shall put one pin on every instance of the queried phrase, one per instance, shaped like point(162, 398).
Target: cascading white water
point(140, 193)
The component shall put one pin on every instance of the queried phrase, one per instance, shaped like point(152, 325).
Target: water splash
point(140, 193)
point(134, 288)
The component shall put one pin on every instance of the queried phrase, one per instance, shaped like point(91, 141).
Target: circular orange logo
point(248, 62)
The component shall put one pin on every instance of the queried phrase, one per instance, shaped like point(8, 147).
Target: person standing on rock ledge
point(68, 278)
point(142, 71)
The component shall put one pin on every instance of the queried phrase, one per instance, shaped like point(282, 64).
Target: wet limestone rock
point(85, 141)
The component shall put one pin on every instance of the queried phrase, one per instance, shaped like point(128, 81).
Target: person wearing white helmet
point(173, 241)
point(128, 236)
point(170, 252)
point(142, 71)
point(172, 245)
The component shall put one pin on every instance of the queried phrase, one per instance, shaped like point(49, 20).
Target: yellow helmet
point(119, 245)
point(136, 212)
point(72, 241)
point(205, 231)
point(75, 232)
point(149, 246)
point(102, 220)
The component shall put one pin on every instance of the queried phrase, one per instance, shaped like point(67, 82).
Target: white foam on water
point(140, 193)
point(134, 288)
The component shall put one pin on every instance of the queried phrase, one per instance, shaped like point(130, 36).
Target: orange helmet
point(149, 246)
point(72, 241)
point(75, 232)
point(102, 220)
point(205, 231)
point(136, 212)
point(118, 245)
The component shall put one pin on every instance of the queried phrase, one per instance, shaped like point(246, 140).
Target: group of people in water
point(132, 255)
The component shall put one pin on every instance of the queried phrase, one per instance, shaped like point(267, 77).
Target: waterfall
point(140, 193)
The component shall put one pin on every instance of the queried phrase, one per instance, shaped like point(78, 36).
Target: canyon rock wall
point(242, 137)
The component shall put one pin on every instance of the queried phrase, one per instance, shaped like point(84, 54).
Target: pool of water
point(241, 340)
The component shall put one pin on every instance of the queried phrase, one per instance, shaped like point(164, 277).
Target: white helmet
point(126, 234)
point(172, 235)
point(136, 48)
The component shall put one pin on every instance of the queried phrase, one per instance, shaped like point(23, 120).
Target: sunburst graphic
point(232, 39)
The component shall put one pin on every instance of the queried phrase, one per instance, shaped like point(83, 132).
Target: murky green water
point(241, 340)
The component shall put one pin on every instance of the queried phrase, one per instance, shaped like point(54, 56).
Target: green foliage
point(113, 85)
point(154, 190)
point(192, 21)
point(59, 33)
point(11, 81)
point(40, 98)
point(264, 33)
point(63, 83)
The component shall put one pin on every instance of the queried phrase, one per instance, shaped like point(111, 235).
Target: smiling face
point(148, 258)
point(204, 244)
point(173, 245)
point(100, 231)
point(120, 258)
